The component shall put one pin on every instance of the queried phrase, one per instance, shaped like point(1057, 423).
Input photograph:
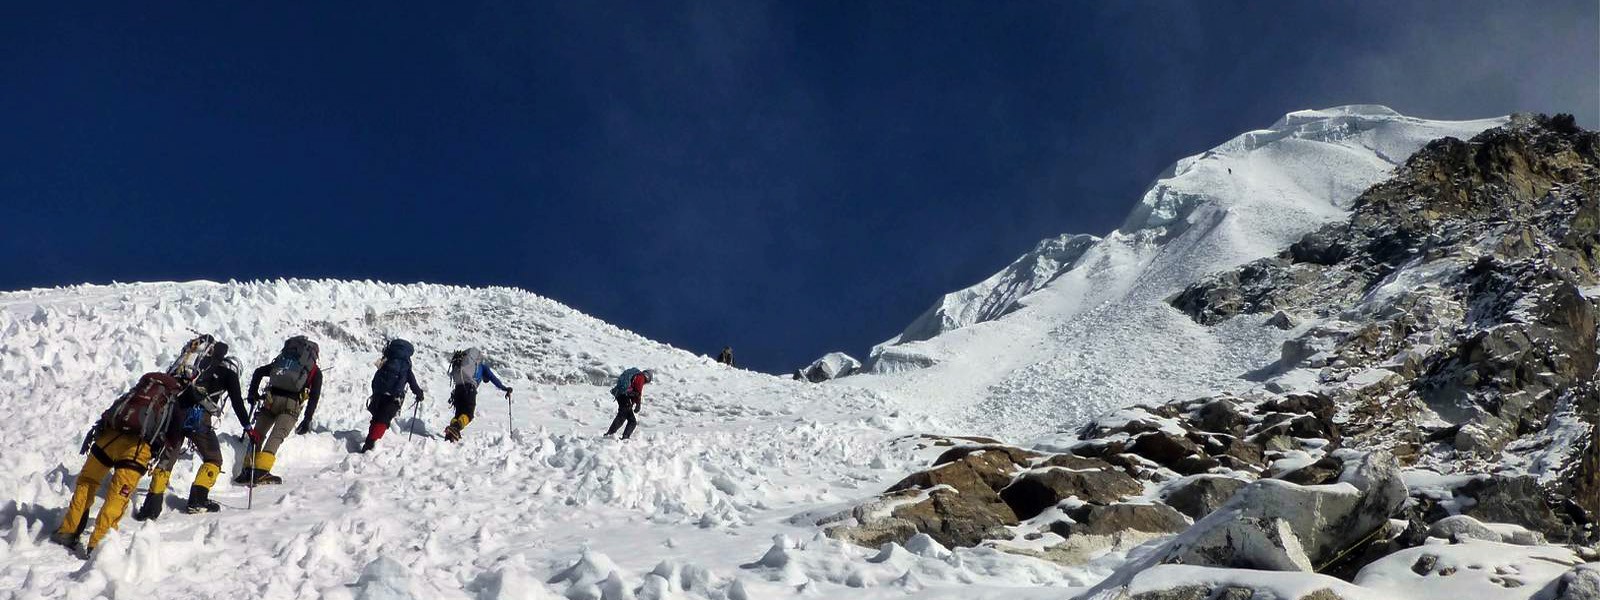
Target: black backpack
point(390, 380)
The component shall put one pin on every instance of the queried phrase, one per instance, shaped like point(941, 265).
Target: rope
point(1352, 548)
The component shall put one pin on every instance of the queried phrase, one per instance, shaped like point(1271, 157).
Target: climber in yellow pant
point(125, 457)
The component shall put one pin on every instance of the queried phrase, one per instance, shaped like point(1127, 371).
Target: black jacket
point(210, 386)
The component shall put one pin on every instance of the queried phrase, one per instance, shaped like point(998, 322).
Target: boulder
point(1280, 526)
point(1198, 496)
point(1112, 519)
point(948, 516)
point(1221, 416)
point(1163, 448)
point(957, 519)
point(1519, 501)
point(1195, 465)
point(1324, 470)
point(968, 469)
point(1459, 528)
point(1038, 490)
point(1581, 583)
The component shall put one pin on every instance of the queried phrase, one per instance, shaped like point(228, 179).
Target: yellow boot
point(453, 431)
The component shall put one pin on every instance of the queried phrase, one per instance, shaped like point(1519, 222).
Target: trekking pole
point(250, 455)
point(416, 415)
point(508, 414)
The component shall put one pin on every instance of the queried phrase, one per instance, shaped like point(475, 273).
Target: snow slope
point(1092, 333)
point(715, 499)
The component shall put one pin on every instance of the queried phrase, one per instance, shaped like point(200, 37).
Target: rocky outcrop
point(1453, 324)
point(1446, 331)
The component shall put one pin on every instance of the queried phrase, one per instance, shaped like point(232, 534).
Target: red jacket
point(636, 387)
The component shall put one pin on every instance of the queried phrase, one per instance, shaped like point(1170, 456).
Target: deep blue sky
point(787, 178)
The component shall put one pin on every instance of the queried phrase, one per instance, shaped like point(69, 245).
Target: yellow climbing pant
point(124, 457)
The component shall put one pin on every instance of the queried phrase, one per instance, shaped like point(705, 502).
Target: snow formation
point(1078, 326)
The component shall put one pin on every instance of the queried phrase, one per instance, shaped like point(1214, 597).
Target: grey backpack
point(464, 366)
point(292, 370)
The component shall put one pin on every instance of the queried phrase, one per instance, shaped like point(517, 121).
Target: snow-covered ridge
point(992, 298)
point(531, 504)
point(1094, 334)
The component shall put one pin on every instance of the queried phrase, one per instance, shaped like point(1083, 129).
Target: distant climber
point(294, 384)
point(120, 444)
point(214, 376)
point(629, 393)
point(727, 356)
point(389, 385)
point(468, 369)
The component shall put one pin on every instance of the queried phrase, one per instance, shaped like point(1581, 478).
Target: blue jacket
point(485, 373)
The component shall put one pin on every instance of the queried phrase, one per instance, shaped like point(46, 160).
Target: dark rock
point(1037, 491)
point(1425, 564)
point(1324, 470)
point(1096, 519)
point(1195, 465)
point(1078, 463)
point(970, 470)
point(1221, 416)
point(1163, 448)
point(958, 519)
point(1281, 320)
point(1198, 496)
point(1519, 501)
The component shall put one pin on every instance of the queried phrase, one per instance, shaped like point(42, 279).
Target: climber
point(629, 393)
point(294, 384)
point(468, 369)
point(120, 445)
point(214, 376)
point(389, 389)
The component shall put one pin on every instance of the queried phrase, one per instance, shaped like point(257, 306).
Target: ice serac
point(998, 295)
point(1079, 326)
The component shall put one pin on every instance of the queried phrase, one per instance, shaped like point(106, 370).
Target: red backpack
point(146, 409)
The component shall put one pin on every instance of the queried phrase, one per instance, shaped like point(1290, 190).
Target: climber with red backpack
point(629, 394)
point(389, 389)
point(120, 444)
point(294, 384)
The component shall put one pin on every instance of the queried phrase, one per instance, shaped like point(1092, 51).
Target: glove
point(255, 436)
point(304, 428)
point(419, 400)
point(508, 392)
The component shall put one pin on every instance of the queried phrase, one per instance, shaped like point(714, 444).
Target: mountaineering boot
point(367, 445)
point(268, 479)
point(452, 433)
point(246, 476)
point(200, 501)
point(70, 540)
point(151, 509)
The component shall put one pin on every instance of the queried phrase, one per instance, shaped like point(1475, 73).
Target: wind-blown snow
point(724, 461)
point(1097, 334)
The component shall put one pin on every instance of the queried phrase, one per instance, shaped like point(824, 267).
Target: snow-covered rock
point(831, 366)
point(1077, 327)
